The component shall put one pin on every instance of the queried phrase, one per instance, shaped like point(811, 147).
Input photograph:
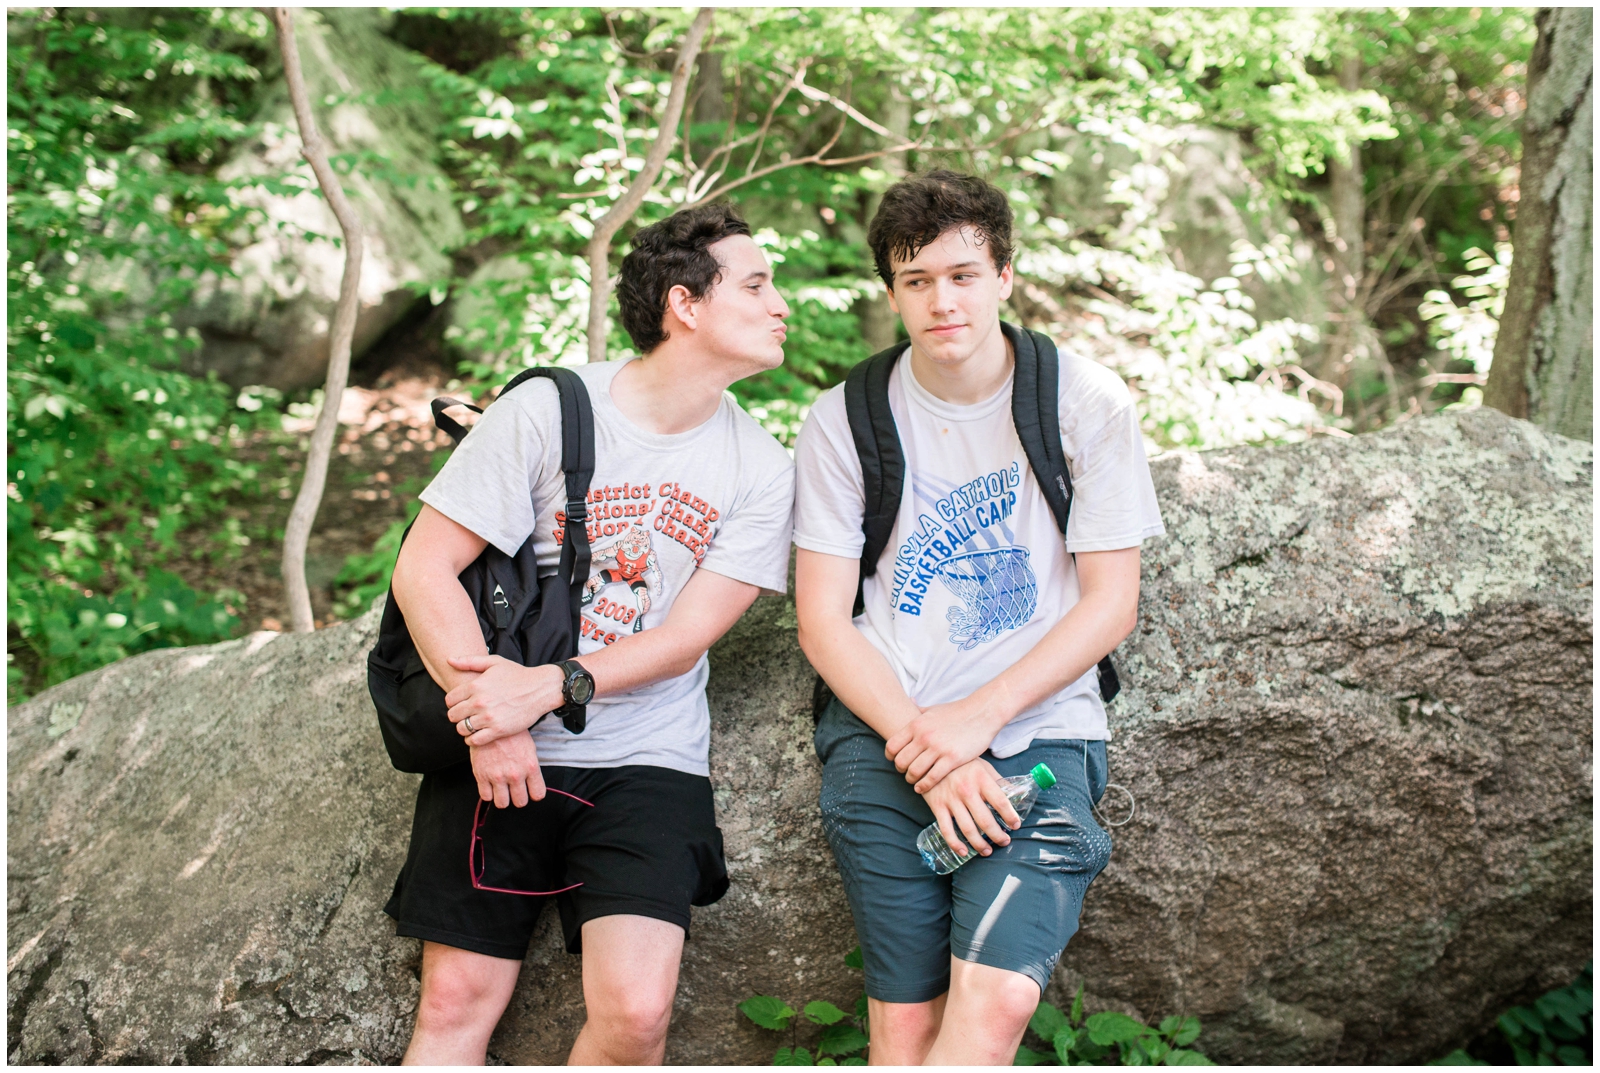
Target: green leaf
point(823, 1013)
point(1111, 1027)
point(1065, 1040)
point(768, 1012)
point(1180, 1057)
point(1509, 1025)
point(841, 1039)
point(1188, 1032)
point(853, 959)
point(1169, 1025)
point(861, 1008)
point(1572, 1056)
point(1077, 1006)
point(1027, 1056)
point(1528, 1018)
point(797, 1057)
point(854, 1061)
point(1457, 1057)
point(826, 1062)
point(1046, 1022)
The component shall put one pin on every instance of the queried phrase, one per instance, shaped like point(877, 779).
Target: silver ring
point(467, 722)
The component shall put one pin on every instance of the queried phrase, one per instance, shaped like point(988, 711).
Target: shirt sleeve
point(830, 500)
point(487, 483)
point(752, 544)
point(1113, 498)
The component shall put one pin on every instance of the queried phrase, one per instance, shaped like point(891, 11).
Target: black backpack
point(883, 464)
point(526, 618)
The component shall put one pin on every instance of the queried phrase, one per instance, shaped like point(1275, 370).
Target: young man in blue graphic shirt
point(975, 655)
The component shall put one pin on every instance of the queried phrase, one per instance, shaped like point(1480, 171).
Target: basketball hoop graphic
point(999, 591)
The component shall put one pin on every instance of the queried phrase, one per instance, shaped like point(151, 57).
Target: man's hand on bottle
point(960, 802)
point(507, 771)
point(503, 699)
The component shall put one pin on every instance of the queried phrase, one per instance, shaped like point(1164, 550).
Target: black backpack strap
point(1035, 411)
point(883, 463)
point(447, 424)
point(577, 464)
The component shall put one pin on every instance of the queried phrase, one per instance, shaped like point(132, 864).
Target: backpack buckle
point(577, 510)
point(502, 609)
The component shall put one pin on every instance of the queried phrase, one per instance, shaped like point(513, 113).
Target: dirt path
point(387, 451)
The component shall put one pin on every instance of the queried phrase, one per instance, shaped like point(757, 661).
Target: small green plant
point(1110, 1038)
point(843, 1036)
point(1558, 1029)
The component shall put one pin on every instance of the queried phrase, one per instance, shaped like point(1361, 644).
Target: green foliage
point(113, 218)
point(843, 1037)
point(543, 135)
point(1558, 1029)
point(118, 121)
point(1109, 1038)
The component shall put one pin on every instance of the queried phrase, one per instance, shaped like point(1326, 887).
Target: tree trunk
point(1352, 340)
point(1348, 201)
point(297, 532)
point(1544, 355)
point(600, 242)
point(879, 324)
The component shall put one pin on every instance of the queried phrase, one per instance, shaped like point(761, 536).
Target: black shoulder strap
point(883, 463)
point(577, 464)
point(1035, 413)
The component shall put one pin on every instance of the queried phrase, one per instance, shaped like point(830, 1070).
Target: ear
point(888, 290)
point(1005, 282)
point(682, 307)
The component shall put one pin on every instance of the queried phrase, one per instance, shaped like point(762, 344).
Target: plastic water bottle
point(1021, 790)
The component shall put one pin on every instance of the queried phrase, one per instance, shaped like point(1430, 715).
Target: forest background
point(1273, 223)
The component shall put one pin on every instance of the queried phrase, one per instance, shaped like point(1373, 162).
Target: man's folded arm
point(427, 588)
point(945, 736)
point(825, 594)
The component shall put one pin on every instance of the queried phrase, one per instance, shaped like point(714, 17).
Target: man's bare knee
point(637, 1021)
point(460, 989)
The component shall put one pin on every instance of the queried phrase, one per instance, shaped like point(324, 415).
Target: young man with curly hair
point(690, 504)
point(974, 655)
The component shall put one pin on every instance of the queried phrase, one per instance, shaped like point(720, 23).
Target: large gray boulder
point(269, 322)
point(1357, 723)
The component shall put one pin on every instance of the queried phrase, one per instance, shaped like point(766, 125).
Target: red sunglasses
point(475, 854)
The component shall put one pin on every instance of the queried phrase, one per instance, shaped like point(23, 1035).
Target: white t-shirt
point(976, 571)
point(719, 496)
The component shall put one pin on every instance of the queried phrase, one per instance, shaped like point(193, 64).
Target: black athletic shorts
point(648, 847)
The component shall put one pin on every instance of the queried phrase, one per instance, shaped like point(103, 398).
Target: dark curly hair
point(668, 254)
point(916, 211)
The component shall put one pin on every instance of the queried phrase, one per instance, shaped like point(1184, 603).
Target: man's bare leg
point(463, 995)
point(987, 1012)
point(902, 1032)
point(630, 975)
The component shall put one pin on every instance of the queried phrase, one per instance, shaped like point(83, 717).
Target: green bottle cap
point(1043, 776)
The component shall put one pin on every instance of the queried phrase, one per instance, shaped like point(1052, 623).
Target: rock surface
point(1357, 722)
point(269, 323)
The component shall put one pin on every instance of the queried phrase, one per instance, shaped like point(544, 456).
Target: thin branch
point(297, 532)
point(599, 250)
point(766, 123)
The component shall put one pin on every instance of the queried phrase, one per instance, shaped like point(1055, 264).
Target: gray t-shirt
point(719, 496)
point(976, 572)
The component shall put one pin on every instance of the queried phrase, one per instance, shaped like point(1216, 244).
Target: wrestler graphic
point(636, 565)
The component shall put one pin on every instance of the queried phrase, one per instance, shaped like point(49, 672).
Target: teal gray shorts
point(1015, 909)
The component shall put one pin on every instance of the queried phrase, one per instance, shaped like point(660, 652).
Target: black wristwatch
point(577, 689)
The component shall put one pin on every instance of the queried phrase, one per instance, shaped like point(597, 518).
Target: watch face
point(581, 687)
